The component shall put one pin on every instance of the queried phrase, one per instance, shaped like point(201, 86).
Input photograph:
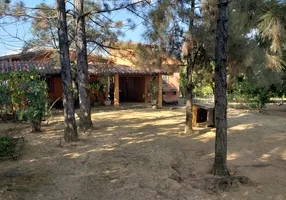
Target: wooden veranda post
point(194, 115)
point(116, 90)
point(160, 97)
point(107, 89)
point(146, 85)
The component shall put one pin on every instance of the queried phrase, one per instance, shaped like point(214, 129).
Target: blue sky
point(10, 45)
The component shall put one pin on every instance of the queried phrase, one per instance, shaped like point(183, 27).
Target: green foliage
point(101, 28)
point(100, 84)
point(44, 29)
point(153, 89)
point(263, 21)
point(5, 98)
point(183, 81)
point(26, 94)
point(256, 38)
point(95, 86)
point(203, 91)
point(7, 146)
point(279, 89)
point(37, 98)
point(251, 95)
point(203, 80)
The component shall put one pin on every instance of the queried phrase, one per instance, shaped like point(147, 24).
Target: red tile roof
point(22, 66)
point(50, 68)
point(112, 69)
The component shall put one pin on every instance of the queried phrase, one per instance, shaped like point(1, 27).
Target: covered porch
point(135, 89)
point(128, 84)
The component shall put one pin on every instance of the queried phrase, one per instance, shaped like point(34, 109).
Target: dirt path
point(142, 154)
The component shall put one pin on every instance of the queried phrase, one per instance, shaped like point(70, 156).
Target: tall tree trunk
point(189, 99)
point(35, 126)
point(68, 100)
point(220, 167)
point(82, 66)
point(190, 66)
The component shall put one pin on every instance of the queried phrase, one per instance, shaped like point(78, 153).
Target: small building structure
point(125, 81)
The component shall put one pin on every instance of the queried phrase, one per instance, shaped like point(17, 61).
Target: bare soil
point(142, 154)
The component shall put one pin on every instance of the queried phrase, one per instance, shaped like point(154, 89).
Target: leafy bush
point(153, 90)
point(97, 88)
point(26, 94)
point(5, 97)
point(250, 95)
point(37, 99)
point(203, 91)
point(203, 80)
point(7, 146)
point(183, 81)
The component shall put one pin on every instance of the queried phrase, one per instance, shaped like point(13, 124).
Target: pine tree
point(179, 31)
point(82, 65)
point(220, 166)
point(68, 100)
point(265, 21)
point(189, 56)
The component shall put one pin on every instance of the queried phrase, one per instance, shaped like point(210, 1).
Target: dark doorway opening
point(202, 115)
point(131, 89)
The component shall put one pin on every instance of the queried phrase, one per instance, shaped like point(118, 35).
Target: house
point(127, 82)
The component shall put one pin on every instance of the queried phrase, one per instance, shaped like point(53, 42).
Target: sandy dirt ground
point(142, 154)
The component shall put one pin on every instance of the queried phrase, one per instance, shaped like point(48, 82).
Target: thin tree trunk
point(35, 126)
point(189, 99)
point(68, 100)
point(190, 66)
point(220, 167)
point(82, 66)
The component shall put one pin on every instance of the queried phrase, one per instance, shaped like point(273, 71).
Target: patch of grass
point(7, 146)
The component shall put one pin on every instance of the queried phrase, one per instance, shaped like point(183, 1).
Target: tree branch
point(113, 9)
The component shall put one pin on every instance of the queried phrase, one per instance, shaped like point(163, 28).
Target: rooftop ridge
point(50, 68)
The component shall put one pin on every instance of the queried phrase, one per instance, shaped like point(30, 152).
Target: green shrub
point(29, 97)
point(37, 100)
point(5, 96)
point(153, 90)
point(250, 95)
point(7, 146)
